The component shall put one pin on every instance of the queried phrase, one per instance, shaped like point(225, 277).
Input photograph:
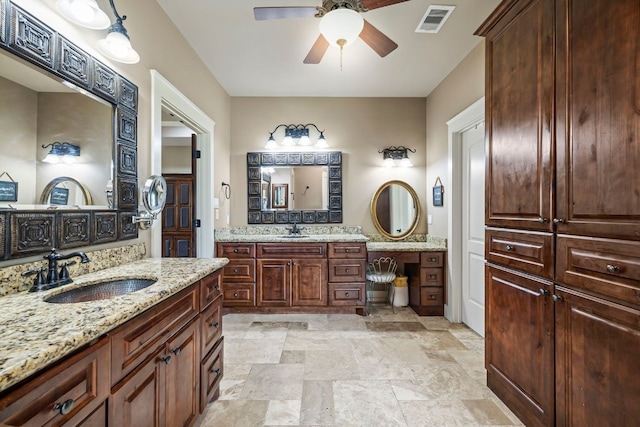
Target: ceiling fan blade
point(317, 51)
point(382, 44)
point(375, 4)
point(266, 13)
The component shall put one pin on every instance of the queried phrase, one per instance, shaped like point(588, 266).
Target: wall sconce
point(396, 156)
point(296, 135)
point(61, 152)
point(86, 13)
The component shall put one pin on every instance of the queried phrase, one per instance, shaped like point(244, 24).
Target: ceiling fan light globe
point(341, 24)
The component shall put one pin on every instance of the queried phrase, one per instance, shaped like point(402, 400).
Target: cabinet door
point(309, 282)
point(183, 377)
point(598, 125)
point(274, 283)
point(177, 245)
point(138, 400)
point(519, 117)
point(597, 362)
point(519, 344)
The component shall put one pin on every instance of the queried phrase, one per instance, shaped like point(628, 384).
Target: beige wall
point(161, 47)
point(461, 88)
point(359, 127)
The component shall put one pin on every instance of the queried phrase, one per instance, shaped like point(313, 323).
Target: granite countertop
point(36, 333)
point(281, 238)
point(405, 246)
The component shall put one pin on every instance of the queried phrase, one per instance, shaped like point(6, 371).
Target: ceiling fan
point(341, 23)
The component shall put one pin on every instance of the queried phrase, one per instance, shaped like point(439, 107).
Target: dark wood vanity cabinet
point(160, 368)
point(294, 276)
point(563, 208)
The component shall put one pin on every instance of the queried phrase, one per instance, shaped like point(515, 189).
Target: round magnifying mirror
point(395, 210)
point(154, 194)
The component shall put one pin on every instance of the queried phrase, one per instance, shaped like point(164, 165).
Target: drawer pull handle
point(347, 250)
point(346, 294)
point(235, 250)
point(432, 276)
point(346, 270)
point(65, 407)
point(166, 360)
point(216, 371)
point(557, 298)
point(216, 287)
point(542, 220)
point(558, 221)
point(176, 351)
point(235, 295)
point(215, 325)
point(544, 292)
point(235, 270)
point(433, 297)
point(432, 259)
point(613, 268)
point(509, 248)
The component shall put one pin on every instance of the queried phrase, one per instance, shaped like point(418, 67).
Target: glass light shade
point(322, 142)
point(304, 140)
point(388, 162)
point(287, 141)
point(117, 46)
point(405, 163)
point(341, 24)
point(85, 13)
point(51, 158)
point(271, 143)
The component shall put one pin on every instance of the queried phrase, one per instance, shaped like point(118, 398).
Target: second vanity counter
point(285, 238)
point(36, 333)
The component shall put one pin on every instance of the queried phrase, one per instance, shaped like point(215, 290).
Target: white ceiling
point(264, 58)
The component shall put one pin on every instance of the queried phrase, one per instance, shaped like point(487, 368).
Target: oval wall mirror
point(65, 190)
point(395, 210)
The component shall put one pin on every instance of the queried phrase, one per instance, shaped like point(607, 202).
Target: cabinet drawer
point(209, 289)
point(604, 266)
point(82, 381)
point(240, 270)
point(527, 251)
point(430, 295)
point(347, 250)
point(211, 325)
point(346, 270)
point(432, 259)
point(291, 250)
point(211, 372)
point(239, 295)
point(236, 250)
point(431, 276)
point(134, 341)
point(347, 294)
point(400, 256)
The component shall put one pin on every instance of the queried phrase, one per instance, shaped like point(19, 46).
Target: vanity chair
point(381, 271)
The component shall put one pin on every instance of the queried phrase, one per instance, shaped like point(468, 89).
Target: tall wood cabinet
point(563, 210)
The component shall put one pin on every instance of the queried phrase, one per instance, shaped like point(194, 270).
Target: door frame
point(470, 117)
point(165, 95)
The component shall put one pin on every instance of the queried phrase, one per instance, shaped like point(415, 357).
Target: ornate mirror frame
point(25, 233)
point(374, 216)
point(255, 161)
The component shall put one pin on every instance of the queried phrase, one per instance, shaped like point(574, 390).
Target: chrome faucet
point(54, 277)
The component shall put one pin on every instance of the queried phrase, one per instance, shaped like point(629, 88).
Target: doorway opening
point(457, 248)
point(168, 101)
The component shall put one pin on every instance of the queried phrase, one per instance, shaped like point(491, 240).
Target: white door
point(473, 228)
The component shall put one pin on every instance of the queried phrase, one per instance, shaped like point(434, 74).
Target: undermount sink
point(102, 290)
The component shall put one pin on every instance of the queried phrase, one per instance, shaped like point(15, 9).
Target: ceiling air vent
point(434, 18)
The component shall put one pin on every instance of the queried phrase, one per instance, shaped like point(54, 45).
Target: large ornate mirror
point(53, 91)
point(303, 187)
point(395, 210)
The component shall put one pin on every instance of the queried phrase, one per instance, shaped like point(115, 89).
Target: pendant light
point(85, 13)
point(117, 45)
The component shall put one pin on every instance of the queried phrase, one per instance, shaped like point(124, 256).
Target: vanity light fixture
point(396, 156)
point(85, 13)
point(61, 152)
point(296, 135)
point(117, 44)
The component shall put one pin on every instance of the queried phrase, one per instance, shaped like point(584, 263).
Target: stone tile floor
point(347, 370)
